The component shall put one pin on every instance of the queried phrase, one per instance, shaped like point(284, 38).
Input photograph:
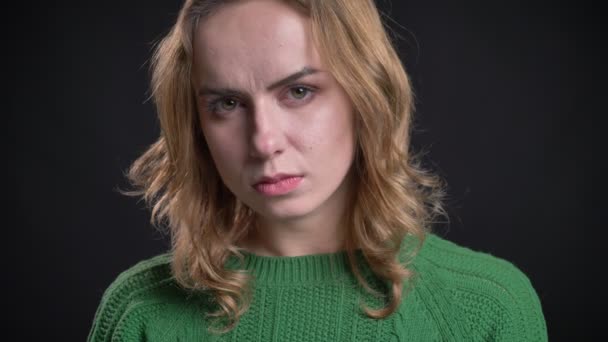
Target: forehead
point(251, 41)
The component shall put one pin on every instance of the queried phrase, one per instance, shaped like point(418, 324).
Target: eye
point(227, 104)
point(298, 95)
point(223, 105)
point(299, 92)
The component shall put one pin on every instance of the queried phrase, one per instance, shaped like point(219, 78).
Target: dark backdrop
point(508, 106)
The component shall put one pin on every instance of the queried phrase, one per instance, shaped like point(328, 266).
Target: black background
point(508, 108)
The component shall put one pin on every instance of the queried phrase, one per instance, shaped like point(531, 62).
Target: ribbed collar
point(314, 268)
point(277, 270)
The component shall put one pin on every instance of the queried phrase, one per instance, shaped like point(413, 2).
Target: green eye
point(299, 92)
point(228, 104)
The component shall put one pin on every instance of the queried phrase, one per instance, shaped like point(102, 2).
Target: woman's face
point(278, 125)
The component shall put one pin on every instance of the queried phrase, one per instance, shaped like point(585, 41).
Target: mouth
point(278, 184)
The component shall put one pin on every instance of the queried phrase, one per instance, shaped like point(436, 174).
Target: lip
point(278, 184)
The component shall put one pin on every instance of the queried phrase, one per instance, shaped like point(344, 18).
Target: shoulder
point(484, 295)
point(145, 299)
point(462, 263)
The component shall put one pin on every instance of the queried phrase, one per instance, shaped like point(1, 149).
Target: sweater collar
point(283, 270)
point(314, 268)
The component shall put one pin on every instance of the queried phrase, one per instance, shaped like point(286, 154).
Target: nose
point(267, 136)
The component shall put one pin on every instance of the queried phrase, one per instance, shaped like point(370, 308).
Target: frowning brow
point(233, 92)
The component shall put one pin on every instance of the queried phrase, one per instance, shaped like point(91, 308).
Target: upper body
point(286, 136)
point(457, 295)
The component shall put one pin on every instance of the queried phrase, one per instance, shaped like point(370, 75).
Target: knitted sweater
point(457, 295)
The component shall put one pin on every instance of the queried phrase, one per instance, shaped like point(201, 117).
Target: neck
point(306, 236)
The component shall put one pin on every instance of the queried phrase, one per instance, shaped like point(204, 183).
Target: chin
point(284, 210)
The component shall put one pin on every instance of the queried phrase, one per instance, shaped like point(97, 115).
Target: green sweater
point(458, 295)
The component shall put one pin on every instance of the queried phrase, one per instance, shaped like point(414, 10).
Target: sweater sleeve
point(524, 319)
point(483, 297)
point(125, 304)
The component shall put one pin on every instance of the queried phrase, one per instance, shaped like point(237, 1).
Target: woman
point(296, 210)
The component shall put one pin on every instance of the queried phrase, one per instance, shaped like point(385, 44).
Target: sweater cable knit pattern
point(457, 294)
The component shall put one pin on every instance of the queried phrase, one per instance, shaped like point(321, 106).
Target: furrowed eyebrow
point(232, 92)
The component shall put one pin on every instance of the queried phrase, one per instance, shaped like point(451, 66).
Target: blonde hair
point(393, 196)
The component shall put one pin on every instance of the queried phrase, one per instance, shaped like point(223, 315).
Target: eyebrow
point(232, 92)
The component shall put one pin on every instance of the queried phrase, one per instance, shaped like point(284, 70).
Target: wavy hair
point(394, 197)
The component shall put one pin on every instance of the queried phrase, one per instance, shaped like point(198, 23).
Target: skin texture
point(303, 127)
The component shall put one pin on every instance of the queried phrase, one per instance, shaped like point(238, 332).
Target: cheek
point(332, 129)
point(225, 149)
